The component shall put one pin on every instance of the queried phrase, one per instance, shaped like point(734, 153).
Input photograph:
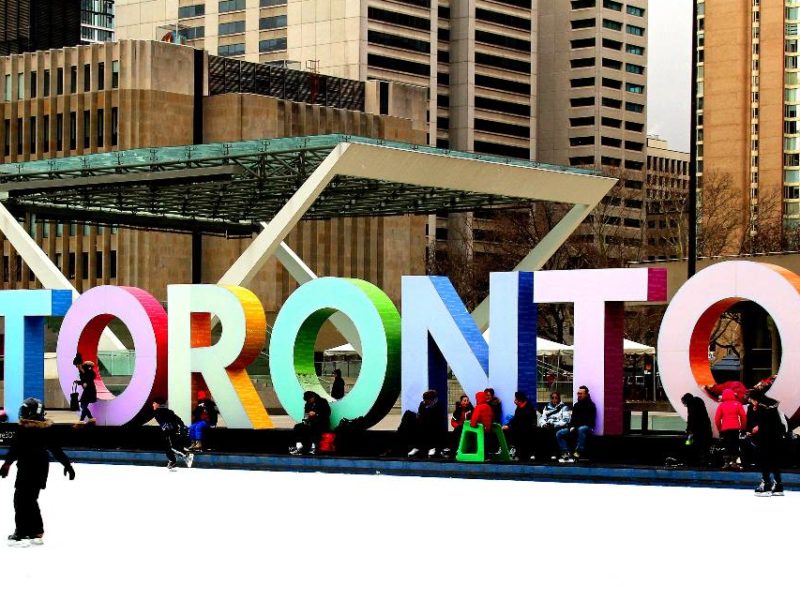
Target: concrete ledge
point(578, 473)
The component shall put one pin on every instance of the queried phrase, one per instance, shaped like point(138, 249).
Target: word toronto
point(175, 355)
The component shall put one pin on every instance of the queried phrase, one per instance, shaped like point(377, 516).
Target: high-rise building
point(592, 101)
point(748, 105)
point(97, 21)
point(555, 80)
point(667, 194)
point(31, 25)
point(138, 94)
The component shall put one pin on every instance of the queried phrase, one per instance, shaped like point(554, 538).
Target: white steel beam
point(48, 274)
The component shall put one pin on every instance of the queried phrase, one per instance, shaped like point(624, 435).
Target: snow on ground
point(143, 532)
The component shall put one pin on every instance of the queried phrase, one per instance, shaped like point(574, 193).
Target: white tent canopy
point(543, 347)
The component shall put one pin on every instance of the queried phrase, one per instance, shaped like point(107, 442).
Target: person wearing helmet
point(29, 448)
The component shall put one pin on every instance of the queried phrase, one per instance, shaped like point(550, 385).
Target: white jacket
point(557, 416)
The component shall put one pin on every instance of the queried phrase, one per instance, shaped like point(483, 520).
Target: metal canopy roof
point(231, 188)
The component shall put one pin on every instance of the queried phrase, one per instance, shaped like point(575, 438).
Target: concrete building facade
point(134, 94)
point(592, 101)
point(667, 195)
point(749, 104)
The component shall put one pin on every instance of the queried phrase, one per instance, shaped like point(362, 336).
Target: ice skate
point(764, 489)
point(189, 458)
point(16, 541)
point(36, 540)
point(172, 465)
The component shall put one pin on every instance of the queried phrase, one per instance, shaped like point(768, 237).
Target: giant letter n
point(437, 331)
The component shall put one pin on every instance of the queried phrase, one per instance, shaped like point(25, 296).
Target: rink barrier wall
point(577, 473)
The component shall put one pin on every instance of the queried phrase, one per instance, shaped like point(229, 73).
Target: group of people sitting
point(564, 430)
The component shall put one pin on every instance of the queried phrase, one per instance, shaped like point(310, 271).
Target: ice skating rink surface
point(143, 532)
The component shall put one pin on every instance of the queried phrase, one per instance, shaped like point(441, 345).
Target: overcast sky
point(669, 66)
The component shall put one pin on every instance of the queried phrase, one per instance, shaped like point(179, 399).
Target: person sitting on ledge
point(461, 412)
point(484, 415)
point(521, 429)
point(555, 417)
point(430, 431)
point(581, 426)
point(316, 421)
point(204, 416)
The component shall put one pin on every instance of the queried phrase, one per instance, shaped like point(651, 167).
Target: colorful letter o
point(694, 311)
point(291, 348)
point(146, 321)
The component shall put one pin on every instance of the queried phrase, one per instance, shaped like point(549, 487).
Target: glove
point(68, 472)
point(4, 470)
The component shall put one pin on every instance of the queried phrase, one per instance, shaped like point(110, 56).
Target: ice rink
point(144, 532)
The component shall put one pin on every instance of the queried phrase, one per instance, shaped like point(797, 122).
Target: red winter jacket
point(730, 415)
point(482, 413)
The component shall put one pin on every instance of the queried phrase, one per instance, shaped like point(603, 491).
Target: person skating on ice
point(173, 434)
point(29, 449)
point(86, 377)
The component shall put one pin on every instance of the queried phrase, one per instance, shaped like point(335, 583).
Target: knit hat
point(728, 396)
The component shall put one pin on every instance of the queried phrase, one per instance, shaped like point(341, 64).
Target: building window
point(195, 10)
point(193, 33)
point(46, 82)
point(634, 88)
point(73, 79)
point(98, 264)
point(6, 137)
point(87, 78)
point(231, 50)
point(634, 30)
point(73, 130)
point(71, 266)
point(272, 22)
point(7, 94)
point(613, 25)
point(19, 136)
point(114, 126)
point(100, 128)
point(84, 265)
point(20, 86)
point(613, 5)
point(633, 107)
point(87, 120)
point(632, 49)
point(638, 69)
point(33, 84)
point(112, 265)
point(272, 45)
point(635, 11)
point(46, 133)
point(32, 129)
point(59, 132)
point(114, 74)
point(59, 81)
point(234, 27)
point(101, 76)
point(264, 3)
point(231, 5)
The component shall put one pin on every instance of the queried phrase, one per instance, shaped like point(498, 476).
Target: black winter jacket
point(698, 425)
point(29, 448)
point(524, 419)
point(584, 412)
point(770, 426)
point(168, 421)
point(321, 421)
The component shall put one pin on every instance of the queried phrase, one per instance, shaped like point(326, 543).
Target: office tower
point(31, 25)
point(592, 103)
point(748, 106)
point(666, 197)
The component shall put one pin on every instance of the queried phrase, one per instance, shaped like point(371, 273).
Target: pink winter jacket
point(730, 415)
